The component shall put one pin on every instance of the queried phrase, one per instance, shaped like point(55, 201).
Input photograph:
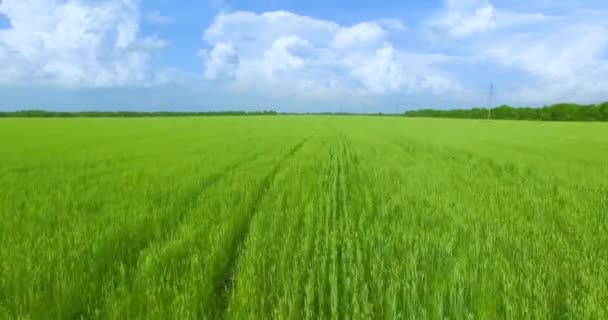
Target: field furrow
point(226, 282)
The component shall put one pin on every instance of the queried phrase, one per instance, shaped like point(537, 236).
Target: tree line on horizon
point(76, 114)
point(555, 112)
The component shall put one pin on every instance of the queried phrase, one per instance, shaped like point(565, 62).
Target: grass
point(295, 217)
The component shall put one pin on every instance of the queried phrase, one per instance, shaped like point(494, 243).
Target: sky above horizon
point(300, 56)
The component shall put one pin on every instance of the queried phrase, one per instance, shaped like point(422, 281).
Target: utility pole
point(490, 100)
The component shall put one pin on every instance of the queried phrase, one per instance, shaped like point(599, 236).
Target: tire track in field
point(328, 300)
point(351, 273)
point(342, 238)
point(322, 250)
point(336, 240)
point(225, 281)
point(309, 280)
point(353, 290)
point(128, 255)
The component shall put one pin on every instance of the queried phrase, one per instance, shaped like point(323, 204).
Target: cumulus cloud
point(555, 56)
point(569, 60)
point(562, 55)
point(367, 33)
point(75, 44)
point(99, 43)
point(464, 18)
point(288, 50)
point(221, 62)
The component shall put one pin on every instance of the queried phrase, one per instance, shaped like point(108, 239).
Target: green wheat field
point(302, 217)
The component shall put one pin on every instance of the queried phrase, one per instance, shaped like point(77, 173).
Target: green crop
point(302, 217)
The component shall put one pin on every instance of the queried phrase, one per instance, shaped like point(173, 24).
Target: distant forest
point(556, 112)
point(65, 114)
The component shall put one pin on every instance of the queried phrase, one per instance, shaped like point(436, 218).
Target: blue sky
point(359, 56)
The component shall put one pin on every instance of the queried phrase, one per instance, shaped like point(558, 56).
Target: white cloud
point(465, 18)
point(569, 60)
point(292, 52)
point(367, 33)
point(261, 30)
point(75, 44)
point(221, 62)
point(280, 53)
point(561, 57)
point(556, 56)
point(98, 43)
